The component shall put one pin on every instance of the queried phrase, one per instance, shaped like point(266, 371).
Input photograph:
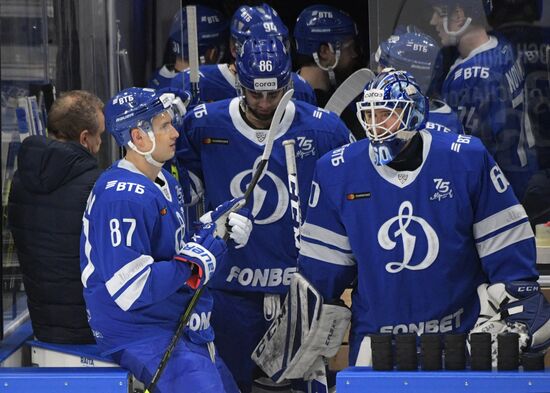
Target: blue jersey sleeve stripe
point(325, 254)
point(133, 292)
point(324, 235)
point(499, 220)
point(127, 273)
point(504, 239)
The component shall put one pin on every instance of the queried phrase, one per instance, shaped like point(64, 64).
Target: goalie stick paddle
point(348, 90)
point(277, 116)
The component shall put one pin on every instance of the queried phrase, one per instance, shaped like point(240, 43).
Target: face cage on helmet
point(364, 108)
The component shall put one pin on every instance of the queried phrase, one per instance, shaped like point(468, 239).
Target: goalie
point(417, 221)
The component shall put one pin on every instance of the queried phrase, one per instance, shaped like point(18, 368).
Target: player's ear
point(325, 52)
point(138, 136)
point(458, 15)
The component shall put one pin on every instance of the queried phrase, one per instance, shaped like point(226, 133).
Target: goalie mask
point(263, 67)
point(257, 22)
point(392, 110)
point(135, 108)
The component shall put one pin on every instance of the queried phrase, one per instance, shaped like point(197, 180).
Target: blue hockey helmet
point(257, 22)
point(393, 108)
point(319, 24)
point(417, 53)
point(211, 32)
point(263, 65)
point(136, 107)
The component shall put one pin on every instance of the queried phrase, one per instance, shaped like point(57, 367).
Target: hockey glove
point(522, 303)
point(180, 101)
point(231, 217)
point(202, 255)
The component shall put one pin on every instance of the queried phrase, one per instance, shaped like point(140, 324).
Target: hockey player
point(218, 82)
point(486, 86)
point(222, 143)
point(419, 54)
point(327, 47)
point(518, 22)
point(415, 234)
point(138, 269)
point(211, 41)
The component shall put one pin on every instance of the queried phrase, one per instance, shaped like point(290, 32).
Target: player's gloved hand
point(523, 306)
point(202, 254)
point(231, 219)
point(180, 100)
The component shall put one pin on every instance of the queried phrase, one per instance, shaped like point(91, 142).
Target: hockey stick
point(296, 212)
point(277, 116)
point(293, 189)
point(192, 48)
point(348, 90)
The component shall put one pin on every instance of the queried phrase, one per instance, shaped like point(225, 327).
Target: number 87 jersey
point(132, 228)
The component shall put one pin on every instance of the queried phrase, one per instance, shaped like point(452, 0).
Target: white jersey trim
point(504, 239)
point(391, 175)
point(316, 232)
point(499, 220)
point(249, 132)
point(228, 75)
point(164, 189)
point(89, 269)
point(166, 73)
point(127, 273)
point(326, 254)
point(133, 292)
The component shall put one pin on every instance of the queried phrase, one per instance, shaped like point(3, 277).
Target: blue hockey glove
point(525, 304)
point(231, 217)
point(202, 255)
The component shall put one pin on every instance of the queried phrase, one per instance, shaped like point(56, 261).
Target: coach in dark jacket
point(47, 200)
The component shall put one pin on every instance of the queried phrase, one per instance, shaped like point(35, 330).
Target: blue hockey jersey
point(217, 82)
point(223, 150)
point(442, 118)
point(487, 90)
point(162, 78)
point(532, 43)
point(133, 289)
point(417, 242)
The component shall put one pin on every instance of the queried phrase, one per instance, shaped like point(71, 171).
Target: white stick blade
point(348, 90)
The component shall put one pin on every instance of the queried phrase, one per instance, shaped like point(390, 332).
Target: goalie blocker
point(304, 333)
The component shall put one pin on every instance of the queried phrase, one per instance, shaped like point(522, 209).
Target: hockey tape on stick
point(293, 189)
point(193, 49)
point(348, 90)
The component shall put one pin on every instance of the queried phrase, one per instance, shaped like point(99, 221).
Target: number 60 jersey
point(418, 242)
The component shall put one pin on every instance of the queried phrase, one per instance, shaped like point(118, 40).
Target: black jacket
point(46, 203)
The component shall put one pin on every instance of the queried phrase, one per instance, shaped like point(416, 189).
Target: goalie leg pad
point(304, 331)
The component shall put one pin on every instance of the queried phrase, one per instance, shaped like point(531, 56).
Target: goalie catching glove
point(305, 332)
point(518, 307)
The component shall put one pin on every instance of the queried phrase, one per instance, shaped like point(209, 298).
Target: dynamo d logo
point(404, 219)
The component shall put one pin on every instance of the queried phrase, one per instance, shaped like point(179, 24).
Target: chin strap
point(148, 154)
point(455, 35)
point(330, 68)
